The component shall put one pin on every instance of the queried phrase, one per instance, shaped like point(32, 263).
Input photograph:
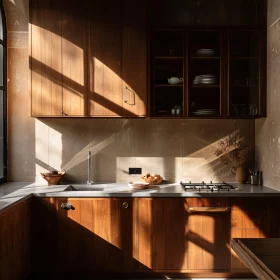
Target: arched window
point(3, 95)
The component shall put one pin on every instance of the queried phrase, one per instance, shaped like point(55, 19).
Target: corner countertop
point(13, 192)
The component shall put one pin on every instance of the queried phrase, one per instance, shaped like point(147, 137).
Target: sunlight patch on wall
point(83, 154)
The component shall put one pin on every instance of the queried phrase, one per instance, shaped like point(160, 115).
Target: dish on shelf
point(204, 80)
point(138, 185)
point(205, 112)
point(205, 52)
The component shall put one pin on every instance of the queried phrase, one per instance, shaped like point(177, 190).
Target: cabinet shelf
point(166, 86)
point(205, 86)
point(205, 58)
point(169, 57)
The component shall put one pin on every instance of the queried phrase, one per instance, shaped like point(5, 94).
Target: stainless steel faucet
point(89, 181)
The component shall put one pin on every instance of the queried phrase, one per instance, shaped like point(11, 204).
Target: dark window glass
point(3, 101)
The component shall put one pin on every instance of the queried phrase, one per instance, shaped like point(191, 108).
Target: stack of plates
point(205, 112)
point(205, 52)
point(204, 80)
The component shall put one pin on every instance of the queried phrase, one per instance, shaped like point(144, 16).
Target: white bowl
point(138, 185)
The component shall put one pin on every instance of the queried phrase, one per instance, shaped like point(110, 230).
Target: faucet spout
point(89, 181)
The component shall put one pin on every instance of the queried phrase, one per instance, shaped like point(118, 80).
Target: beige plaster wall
point(268, 130)
point(177, 149)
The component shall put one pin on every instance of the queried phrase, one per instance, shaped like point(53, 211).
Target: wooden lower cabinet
point(173, 238)
point(15, 242)
point(162, 233)
point(186, 237)
point(208, 234)
point(94, 236)
point(252, 218)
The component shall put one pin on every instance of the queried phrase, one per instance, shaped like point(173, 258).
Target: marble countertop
point(11, 193)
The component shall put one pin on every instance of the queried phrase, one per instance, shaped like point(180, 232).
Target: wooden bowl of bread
point(153, 179)
point(53, 177)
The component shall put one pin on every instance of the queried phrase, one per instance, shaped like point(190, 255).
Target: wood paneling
point(74, 57)
point(208, 236)
point(45, 61)
point(134, 58)
point(15, 242)
point(163, 233)
point(44, 238)
point(105, 55)
point(252, 218)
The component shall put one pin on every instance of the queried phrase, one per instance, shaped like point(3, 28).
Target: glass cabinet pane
point(204, 73)
point(244, 74)
point(168, 75)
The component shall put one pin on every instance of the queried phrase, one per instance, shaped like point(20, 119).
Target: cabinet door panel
point(44, 234)
point(46, 64)
point(162, 233)
point(208, 236)
point(74, 57)
point(113, 228)
point(15, 242)
point(134, 58)
point(251, 218)
point(106, 98)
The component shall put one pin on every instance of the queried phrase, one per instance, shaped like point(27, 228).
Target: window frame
point(4, 89)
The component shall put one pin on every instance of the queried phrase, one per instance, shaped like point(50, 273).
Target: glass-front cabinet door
point(244, 74)
point(204, 73)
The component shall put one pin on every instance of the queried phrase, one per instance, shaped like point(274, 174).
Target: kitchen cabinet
point(162, 233)
point(172, 237)
point(147, 236)
point(15, 242)
point(58, 58)
point(105, 57)
point(208, 234)
point(217, 73)
point(252, 218)
point(118, 59)
point(95, 235)
point(134, 58)
point(88, 60)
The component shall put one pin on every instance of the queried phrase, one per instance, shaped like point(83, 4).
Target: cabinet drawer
point(208, 202)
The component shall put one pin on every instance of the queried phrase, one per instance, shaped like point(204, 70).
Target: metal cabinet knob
point(67, 206)
point(125, 205)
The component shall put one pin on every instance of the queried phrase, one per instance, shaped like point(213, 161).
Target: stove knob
point(202, 182)
point(190, 182)
point(211, 182)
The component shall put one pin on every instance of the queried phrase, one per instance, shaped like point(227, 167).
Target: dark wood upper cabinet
point(88, 59)
point(207, 73)
point(182, 13)
point(58, 58)
point(134, 58)
point(105, 58)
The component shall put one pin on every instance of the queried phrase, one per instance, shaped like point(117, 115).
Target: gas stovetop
point(209, 187)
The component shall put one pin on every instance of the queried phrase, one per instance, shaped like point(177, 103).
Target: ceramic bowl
point(53, 179)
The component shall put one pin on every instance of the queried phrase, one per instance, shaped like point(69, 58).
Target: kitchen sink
point(88, 188)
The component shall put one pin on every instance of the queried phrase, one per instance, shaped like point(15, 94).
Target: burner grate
point(207, 186)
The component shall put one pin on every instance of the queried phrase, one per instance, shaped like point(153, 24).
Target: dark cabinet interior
point(207, 73)
point(244, 73)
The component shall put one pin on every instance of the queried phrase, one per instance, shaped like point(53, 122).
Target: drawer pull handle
point(209, 209)
point(125, 205)
point(67, 206)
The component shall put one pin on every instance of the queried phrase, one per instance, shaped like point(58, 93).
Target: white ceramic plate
point(138, 185)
